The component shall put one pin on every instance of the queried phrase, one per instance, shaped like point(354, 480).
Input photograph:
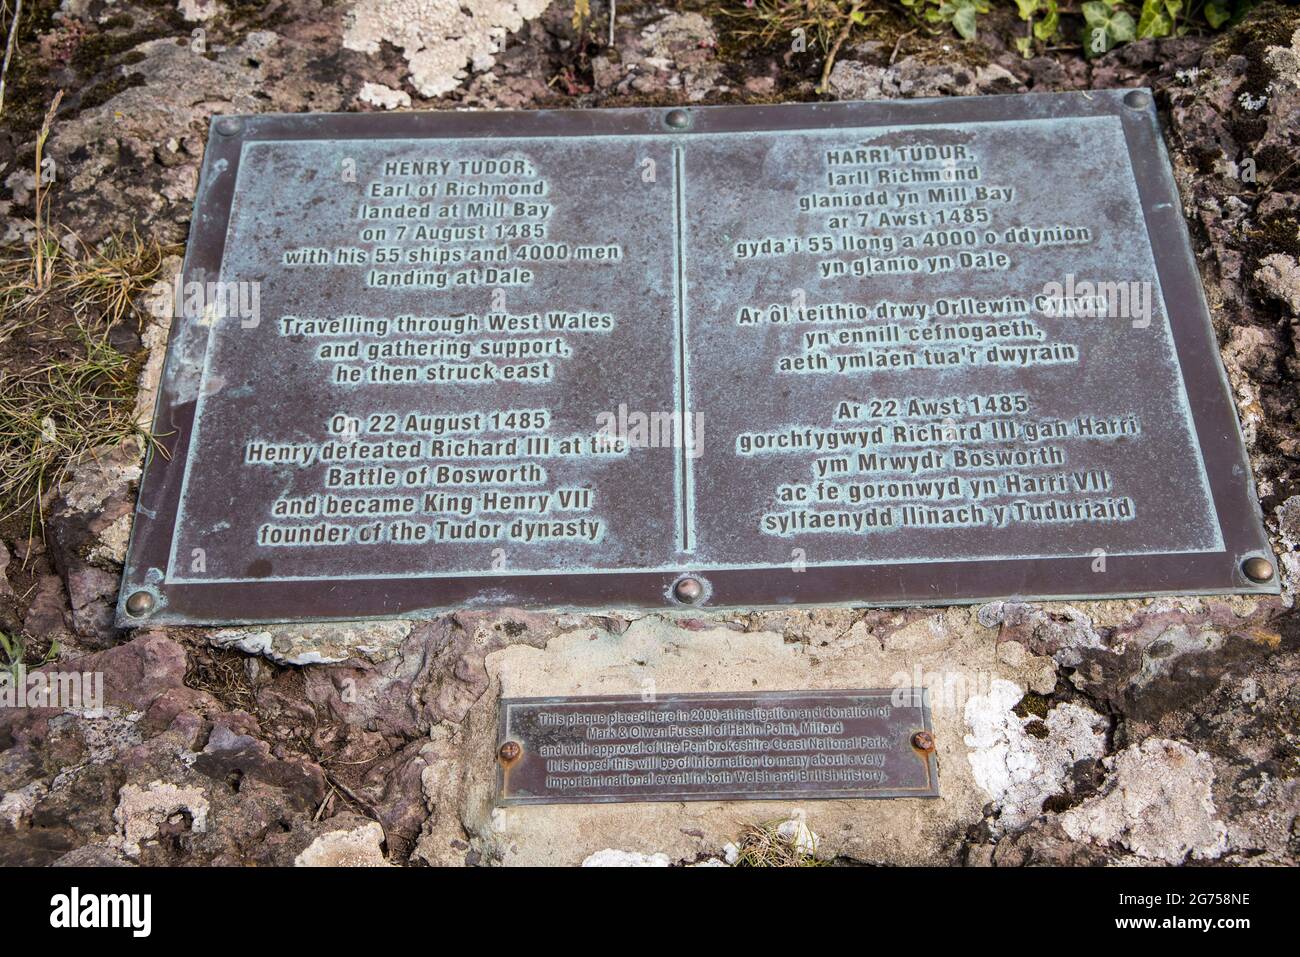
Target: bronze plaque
point(893, 352)
point(776, 745)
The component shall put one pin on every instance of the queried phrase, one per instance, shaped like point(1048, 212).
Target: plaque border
point(1214, 418)
point(501, 799)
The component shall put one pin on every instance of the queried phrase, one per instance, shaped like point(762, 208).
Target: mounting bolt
point(677, 119)
point(1258, 569)
point(688, 590)
point(509, 751)
point(1137, 99)
point(923, 741)
point(140, 603)
point(228, 126)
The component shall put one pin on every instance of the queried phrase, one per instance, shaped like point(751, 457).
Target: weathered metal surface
point(820, 353)
point(772, 745)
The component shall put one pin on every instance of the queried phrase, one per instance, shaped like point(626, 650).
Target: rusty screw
point(923, 741)
point(509, 751)
point(688, 590)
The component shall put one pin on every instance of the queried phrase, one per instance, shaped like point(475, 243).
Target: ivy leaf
point(964, 22)
point(1046, 28)
point(1154, 20)
point(1095, 14)
point(1122, 29)
point(1217, 13)
point(1027, 8)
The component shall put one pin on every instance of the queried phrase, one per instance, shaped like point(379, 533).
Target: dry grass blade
point(761, 845)
point(12, 16)
point(43, 180)
point(65, 390)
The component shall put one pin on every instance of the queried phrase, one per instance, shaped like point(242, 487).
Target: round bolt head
point(923, 741)
point(228, 125)
point(688, 590)
point(509, 751)
point(1258, 569)
point(139, 604)
point(1137, 99)
point(678, 119)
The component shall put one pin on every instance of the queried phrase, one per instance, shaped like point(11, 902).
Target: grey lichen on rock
point(313, 644)
point(1158, 804)
point(359, 846)
point(439, 38)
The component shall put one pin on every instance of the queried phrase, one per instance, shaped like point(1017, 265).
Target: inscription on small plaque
point(873, 352)
point(715, 747)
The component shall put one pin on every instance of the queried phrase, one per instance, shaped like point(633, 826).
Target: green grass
point(15, 652)
point(65, 390)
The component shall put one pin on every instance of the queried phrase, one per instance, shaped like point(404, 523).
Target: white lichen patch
point(610, 857)
point(314, 644)
point(1020, 770)
point(358, 847)
point(439, 38)
point(90, 482)
point(17, 805)
point(1160, 657)
point(141, 811)
point(113, 541)
point(197, 11)
point(1158, 804)
point(1285, 61)
point(384, 97)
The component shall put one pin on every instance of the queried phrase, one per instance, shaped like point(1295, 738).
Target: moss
point(27, 97)
point(1281, 234)
point(1032, 705)
point(1268, 25)
point(1058, 803)
point(97, 50)
point(1037, 729)
point(101, 93)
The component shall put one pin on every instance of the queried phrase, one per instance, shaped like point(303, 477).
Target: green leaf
point(964, 22)
point(1027, 8)
point(1154, 21)
point(1026, 46)
point(1122, 29)
point(1095, 14)
point(1046, 28)
point(1217, 13)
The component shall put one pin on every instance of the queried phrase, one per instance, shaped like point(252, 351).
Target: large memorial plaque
point(717, 747)
point(928, 351)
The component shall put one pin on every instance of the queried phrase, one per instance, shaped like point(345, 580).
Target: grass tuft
point(66, 389)
point(16, 652)
point(761, 845)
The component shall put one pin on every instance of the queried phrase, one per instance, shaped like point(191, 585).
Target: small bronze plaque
point(777, 745)
point(895, 352)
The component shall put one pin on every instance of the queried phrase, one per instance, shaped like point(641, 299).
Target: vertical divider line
point(686, 534)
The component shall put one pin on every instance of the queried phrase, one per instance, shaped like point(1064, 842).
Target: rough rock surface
point(1155, 731)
